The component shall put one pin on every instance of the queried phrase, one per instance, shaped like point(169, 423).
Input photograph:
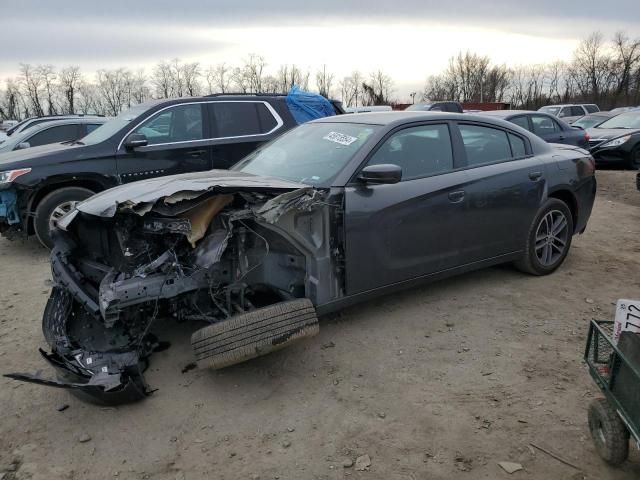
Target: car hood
point(31, 156)
point(609, 133)
point(140, 197)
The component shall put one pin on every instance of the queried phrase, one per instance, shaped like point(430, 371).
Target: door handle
point(196, 153)
point(535, 176)
point(456, 197)
point(562, 137)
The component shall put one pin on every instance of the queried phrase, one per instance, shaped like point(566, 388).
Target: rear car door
point(398, 232)
point(503, 190)
point(178, 138)
point(239, 127)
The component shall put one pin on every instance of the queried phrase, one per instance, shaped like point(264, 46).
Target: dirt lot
point(439, 382)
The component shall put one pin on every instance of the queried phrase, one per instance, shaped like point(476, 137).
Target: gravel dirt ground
point(439, 382)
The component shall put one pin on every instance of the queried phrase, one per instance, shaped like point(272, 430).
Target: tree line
point(602, 71)
point(45, 90)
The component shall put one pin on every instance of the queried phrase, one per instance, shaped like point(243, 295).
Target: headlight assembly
point(616, 142)
point(10, 175)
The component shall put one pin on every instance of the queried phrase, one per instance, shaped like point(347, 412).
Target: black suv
point(162, 137)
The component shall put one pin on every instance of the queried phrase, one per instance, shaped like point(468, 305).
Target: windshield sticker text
point(340, 138)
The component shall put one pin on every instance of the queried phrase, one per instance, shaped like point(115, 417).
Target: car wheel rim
point(59, 212)
point(551, 237)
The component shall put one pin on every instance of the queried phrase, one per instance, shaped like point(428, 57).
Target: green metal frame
point(595, 332)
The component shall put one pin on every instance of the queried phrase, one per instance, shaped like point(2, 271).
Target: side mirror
point(136, 140)
point(23, 145)
point(384, 173)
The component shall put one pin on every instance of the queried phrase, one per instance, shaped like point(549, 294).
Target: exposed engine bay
point(191, 254)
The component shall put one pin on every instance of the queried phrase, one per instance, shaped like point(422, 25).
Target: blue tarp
point(306, 106)
point(8, 206)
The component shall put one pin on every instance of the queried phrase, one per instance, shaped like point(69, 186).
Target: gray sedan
point(334, 212)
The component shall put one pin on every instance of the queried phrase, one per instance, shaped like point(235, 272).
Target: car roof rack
point(243, 94)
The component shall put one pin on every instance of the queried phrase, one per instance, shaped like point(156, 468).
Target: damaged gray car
point(336, 211)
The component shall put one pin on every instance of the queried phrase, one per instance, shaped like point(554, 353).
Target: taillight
point(587, 137)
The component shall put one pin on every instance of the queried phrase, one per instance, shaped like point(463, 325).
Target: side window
point(420, 151)
point(62, 133)
point(518, 147)
point(577, 111)
point(521, 121)
point(565, 112)
point(591, 108)
point(484, 144)
point(543, 125)
point(181, 123)
point(92, 126)
point(236, 119)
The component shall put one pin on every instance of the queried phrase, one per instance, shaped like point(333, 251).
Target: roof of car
point(400, 117)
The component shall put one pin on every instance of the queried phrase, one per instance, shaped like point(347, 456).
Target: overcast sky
point(409, 39)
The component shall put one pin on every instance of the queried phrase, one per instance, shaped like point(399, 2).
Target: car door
point(397, 232)
point(177, 142)
point(239, 127)
point(503, 190)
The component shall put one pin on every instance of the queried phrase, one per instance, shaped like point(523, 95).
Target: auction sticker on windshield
point(340, 138)
point(627, 318)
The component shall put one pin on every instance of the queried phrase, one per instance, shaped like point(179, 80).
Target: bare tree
point(32, 85)
point(161, 79)
point(70, 77)
point(218, 78)
point(49, 76)
point(191, 75)
point(113, 86)
point(324, 80)
point(378, 90)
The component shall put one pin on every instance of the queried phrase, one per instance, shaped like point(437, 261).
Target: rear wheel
point(52, 207)
point(610, 435)
point(549, 239)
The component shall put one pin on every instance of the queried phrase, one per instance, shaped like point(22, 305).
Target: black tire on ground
point(252, 334)
point(634, 158)
point(58, 199)
point(608, 431)
point(530, 262)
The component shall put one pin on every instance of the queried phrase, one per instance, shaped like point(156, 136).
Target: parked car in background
point(7, 124)
point(617, 141)
point(337, 211)
point(448, 106)
point(624, 109)
point(32, 121)
point(51, 132)
point(158, 138)
point(551, 129)
point(594, 119)
point(570, 113)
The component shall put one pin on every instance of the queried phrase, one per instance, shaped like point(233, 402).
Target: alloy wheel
point(59, 212)
point(551, 237)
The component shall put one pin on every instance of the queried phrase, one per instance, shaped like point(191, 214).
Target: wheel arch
point(569, 199)
point(93, 184)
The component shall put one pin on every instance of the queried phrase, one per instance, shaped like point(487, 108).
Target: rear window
point(237, 119)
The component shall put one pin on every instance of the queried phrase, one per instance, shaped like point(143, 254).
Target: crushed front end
point(189, 254)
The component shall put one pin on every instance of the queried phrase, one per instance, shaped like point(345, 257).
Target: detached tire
point(549, 239)
point(609, 433)
point(53, 206)
point(254, 333)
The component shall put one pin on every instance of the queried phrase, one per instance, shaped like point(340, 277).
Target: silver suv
point(570, 113)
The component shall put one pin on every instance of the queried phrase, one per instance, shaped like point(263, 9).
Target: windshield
point(312, 153)
point(550, 110)
point(624, 120)
point(110, 128)
point(589, 121)
point(418, 106)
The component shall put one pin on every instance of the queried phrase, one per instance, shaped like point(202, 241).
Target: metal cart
point(616, 370)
